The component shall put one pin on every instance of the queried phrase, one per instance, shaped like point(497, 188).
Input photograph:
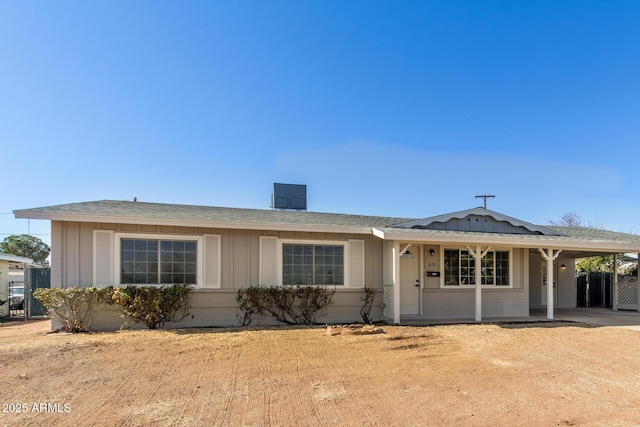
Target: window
point(155, 261)
point(312, 264)
point(460, 268)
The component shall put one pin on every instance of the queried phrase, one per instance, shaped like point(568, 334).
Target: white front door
point(410, 282)
point(544, 285)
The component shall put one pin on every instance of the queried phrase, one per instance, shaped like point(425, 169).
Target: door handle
point(417, 285)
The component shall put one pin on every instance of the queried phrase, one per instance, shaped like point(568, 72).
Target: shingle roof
point(129, 209)
point(115, 211)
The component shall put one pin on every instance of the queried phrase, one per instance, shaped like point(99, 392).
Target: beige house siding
point(442, 303)
point(79, 245)
point(565, 281)
point(218, 308)
point(240, 262)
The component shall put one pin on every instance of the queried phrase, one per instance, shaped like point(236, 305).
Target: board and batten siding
point(442, 303)
point(72, 254)
point(83, 255)
point(565, 281)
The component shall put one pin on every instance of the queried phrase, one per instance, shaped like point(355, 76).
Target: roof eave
point(515, 241)
point(193, 223)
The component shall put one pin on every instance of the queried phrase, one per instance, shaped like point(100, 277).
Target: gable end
point(479, 224)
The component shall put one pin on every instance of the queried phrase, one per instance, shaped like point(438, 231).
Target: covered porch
point(415, 290)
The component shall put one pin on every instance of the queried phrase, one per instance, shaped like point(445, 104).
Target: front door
point(410, 282)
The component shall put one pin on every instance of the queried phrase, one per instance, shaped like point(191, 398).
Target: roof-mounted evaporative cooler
point(290, 196)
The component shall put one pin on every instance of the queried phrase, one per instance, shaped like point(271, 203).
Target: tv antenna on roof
point(485, 197)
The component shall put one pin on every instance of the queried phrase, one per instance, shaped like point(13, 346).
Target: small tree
point(595, 263)
point(28, 246)
point(569, 219)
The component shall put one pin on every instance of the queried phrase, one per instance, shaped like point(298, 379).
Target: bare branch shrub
point(291, 305)
point(153, 305)
point(73, 308)
point(367, 304)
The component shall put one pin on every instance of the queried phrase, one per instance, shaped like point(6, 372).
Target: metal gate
point(595, 290)
point(36, 278)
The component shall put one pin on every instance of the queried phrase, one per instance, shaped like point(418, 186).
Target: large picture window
point(151, 261)
point(460, 268)
point(304, 264)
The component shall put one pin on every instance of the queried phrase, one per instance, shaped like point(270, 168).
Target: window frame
point(345, 260)
point(508, 250)
point(166, 237)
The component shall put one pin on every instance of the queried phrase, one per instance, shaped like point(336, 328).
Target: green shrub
point(73, 308)
point(153, 305)
point(367, 304)
point(292, 305)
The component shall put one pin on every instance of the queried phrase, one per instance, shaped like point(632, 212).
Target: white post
point(396, 283)
point(638, 284)
point(614, 303)
point(549, 255)
point(550, 285)
point(478, 262)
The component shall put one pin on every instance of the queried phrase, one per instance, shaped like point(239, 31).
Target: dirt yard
point(542, 375)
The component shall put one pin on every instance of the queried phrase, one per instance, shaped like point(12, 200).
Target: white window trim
point(464, 248)
point(344, 243)
point(118, 250)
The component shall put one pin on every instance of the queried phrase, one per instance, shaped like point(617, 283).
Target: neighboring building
point(11, 274)
point(421, 268)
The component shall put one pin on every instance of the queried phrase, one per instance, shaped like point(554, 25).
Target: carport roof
point(581, 241)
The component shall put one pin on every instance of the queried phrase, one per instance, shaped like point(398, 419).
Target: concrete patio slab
point(590, 316)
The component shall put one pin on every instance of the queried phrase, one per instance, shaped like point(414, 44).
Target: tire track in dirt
point(96, 410)
point(368, 416)
point(186, 406)
point(140, 410)
point(394, 401)
point(304, 400)
point(267, 414)
point(226, 413)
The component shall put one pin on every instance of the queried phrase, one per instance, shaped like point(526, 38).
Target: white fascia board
point(378, 233)
point(193, 223)
point(564, 244)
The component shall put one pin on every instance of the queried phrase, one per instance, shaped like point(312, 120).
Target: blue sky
point(399, 108)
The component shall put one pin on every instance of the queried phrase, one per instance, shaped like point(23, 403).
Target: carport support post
point(477, 255)
point(549, 255)
point(614, 303)
point(638, 284)
point(396, 283)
